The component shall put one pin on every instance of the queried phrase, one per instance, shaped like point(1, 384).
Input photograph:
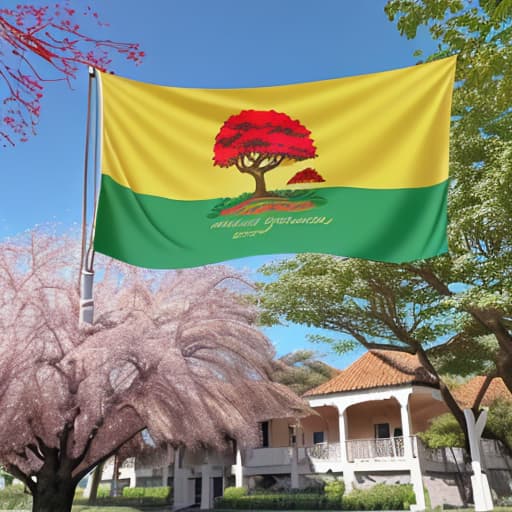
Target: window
point(264, 434)
point(318, 437)
point(292, 436)
point(382, 430)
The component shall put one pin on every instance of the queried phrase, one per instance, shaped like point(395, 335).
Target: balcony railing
point(324, 451)
point(375, 448)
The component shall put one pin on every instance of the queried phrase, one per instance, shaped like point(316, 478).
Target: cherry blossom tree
point(174, 352)
point(42, 44)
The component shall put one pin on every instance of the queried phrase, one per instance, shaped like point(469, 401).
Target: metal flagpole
point(87, 253)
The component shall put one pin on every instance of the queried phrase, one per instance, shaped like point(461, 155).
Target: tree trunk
point(261, 187)
point(53, 494)
point(114, 487)
point(96, 479)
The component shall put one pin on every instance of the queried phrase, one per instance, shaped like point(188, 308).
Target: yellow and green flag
point(352, 166)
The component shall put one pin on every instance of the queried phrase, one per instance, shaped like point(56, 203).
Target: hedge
point(275, 501)
point(147, 492)
point(378, 497)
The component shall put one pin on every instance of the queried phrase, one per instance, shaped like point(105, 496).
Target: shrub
point(231, 493)
point(133, 492)
point(14, 497)
point(380, 497)
point(279, 501)
point(103, 491)
point(335, 490)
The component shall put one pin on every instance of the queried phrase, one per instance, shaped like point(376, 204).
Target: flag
point(353, 166)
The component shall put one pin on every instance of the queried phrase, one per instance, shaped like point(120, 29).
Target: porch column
point(481, 490)
point(295, 467)
point(348, 473)
point(406, 427)
point(205, 487)
point(239, 469)
point(180, 482)
point(342, 422)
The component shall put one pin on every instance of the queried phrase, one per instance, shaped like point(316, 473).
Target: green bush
point(380, 497)
point(13, 497)
point(279, 501)
point(103, 491)
point(335, 490)
point(133, 492)
point(231, 493)
point(147, 492)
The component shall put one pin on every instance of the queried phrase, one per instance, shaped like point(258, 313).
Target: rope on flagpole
point(86, 256)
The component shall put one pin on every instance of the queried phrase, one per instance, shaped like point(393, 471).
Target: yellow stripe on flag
point(380, 131)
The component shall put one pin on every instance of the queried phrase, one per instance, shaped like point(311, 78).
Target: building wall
point(279, 434)
point(326, 422)
point(362, 418)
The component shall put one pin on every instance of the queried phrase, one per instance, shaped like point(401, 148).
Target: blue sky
point(197, 43)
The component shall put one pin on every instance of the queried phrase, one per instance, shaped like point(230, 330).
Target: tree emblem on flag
point(256, 142)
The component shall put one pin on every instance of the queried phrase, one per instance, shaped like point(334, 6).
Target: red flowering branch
point(37, 41)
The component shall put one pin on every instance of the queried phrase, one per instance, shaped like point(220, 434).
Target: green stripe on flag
point(392, 225)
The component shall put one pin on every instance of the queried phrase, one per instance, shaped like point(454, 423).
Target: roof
point(377, 369)
point(466, 393)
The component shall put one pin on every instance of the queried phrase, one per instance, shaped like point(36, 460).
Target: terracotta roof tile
point(376, 369)
point(466, 393)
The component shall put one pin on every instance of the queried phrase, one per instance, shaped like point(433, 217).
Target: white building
point(364, 432)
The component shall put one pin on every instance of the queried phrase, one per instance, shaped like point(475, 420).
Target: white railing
point(324, 451)
point(375, 448)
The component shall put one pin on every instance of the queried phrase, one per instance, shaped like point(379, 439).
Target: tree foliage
point(445, 432)
point(42, 44)
point(301, 371)
point(176, 353)
point(476, 277)
point(257, 141)
point(444, 308)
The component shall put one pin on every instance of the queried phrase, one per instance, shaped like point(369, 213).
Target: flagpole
point(86, 314)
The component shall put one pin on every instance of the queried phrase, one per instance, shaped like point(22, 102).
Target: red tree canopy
point(308, 175)
point(262, 131)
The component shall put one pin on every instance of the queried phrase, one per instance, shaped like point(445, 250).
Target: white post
point(86, 299)
point(179, 485)
point(416, 476)
point(295, 467)
point(479, 483)
point(348, 473)
point(239, 469)
point(406, 428)
point(205, 487)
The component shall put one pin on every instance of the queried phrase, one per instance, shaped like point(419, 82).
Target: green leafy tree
point(444, 309)
point(301, 371)
point(476, 277)
point(381, 306)
point(445, 432)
